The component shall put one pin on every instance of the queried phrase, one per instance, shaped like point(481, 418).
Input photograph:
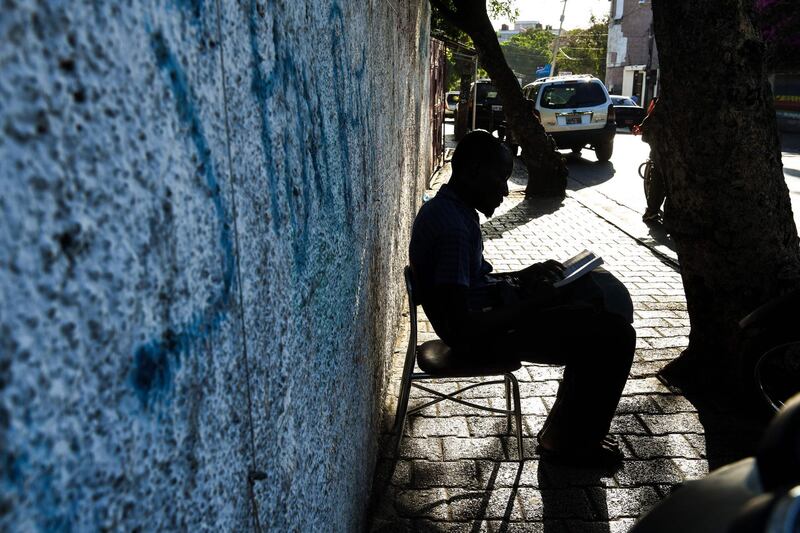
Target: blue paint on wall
point(155, 359)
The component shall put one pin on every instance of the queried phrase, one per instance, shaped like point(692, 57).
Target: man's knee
point(617, 337)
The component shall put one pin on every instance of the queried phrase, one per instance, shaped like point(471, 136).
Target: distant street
point(614, 190)
point(619, 179)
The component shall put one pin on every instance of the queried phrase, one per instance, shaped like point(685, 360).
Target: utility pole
point(555, 43)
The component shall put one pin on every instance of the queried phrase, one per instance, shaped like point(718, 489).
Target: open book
point(577, 266)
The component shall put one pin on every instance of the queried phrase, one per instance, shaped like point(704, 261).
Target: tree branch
point(448, 14)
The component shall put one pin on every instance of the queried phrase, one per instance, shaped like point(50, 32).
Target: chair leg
point(517, 414)
point(508, 402)
point(400, 415)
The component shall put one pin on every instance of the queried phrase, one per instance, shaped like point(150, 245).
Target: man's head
point(481, 167)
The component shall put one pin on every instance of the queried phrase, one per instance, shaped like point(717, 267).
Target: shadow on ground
point(733, 423)
point(522, 213)
point(585, 173)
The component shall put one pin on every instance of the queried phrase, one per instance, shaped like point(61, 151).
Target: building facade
point(632, 60)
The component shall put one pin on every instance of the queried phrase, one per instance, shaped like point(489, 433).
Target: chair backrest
point(411, 352)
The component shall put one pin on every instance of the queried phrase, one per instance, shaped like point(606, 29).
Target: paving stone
point(650, 354)
point(395, 525)
point(556, 504)
point(672, 403)
point(498, 526)
point(636, 404)
point(673, 423)
point(508, 473)
point(644, 386)
point(457, 409)
point(427, 474)
point(556, 476)
point(422, 503)
point(660, 313)
point(540, 388)
point(627, 424)
point(431, 526)
point(485, 504)
point(489, 426)
point(623, 502)
point(661, 446)
point(623, 525)
point(438, 426)
point(533, 406)
point(401, 475)
point(692, 469)
point(635, 473)
point(650, 323)
point(673, 331)
point(421, 448)
point(646, 369)
point(473, 448)
point(647, 332)
point(698, 442)
point(669, 342)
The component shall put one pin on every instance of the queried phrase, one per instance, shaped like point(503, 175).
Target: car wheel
point(604, 150)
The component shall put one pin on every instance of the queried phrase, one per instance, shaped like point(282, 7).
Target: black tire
point(604, 150)
point(646, 175)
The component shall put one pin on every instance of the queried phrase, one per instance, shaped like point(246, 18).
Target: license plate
point(497, 108)
point(574, 120)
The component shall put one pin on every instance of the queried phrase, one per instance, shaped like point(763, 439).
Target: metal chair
point(439, 362)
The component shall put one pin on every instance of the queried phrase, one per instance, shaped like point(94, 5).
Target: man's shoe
point(650, 217)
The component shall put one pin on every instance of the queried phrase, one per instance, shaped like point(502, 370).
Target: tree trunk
point(547, 170)
point(715, 139)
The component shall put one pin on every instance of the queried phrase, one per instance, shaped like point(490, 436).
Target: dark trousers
point(590, 334)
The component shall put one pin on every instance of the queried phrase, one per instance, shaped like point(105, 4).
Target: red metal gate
point(438, 65)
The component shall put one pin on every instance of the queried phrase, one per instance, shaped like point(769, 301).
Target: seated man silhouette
point(585, 325)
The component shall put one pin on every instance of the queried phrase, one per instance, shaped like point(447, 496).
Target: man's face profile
point(482, 167)
point(491, 186)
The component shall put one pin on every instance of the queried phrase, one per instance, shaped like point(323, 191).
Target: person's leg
point(596, 348)
point(655, 194)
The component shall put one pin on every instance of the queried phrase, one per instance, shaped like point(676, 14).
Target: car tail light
point(612, 115)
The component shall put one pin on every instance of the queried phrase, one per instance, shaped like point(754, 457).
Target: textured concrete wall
point(205, 212)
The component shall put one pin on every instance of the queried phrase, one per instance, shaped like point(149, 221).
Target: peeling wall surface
point(205, 213)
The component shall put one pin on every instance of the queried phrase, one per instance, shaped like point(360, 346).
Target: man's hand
point(550, 271)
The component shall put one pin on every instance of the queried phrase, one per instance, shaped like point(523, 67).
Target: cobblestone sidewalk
point(456, 472)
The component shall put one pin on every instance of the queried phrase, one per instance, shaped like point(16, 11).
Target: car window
point(487, 94)
point(577, 94)
point(623, 101)
point(534, 92)
point(452, 98)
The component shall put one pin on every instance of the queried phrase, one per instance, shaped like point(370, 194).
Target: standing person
point(585, 326)
point(654, 189)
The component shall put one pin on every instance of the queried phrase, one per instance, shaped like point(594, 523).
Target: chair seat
point(439, 360)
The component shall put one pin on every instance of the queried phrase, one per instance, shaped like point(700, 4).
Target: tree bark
point(728, 209)
point(547, 170)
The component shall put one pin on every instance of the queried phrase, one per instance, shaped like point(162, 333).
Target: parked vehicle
point(485, 99)
point(451, 103)
point(576, 111)
point(627, 111)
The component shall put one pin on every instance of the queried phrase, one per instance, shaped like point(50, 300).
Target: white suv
point(576, 111)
